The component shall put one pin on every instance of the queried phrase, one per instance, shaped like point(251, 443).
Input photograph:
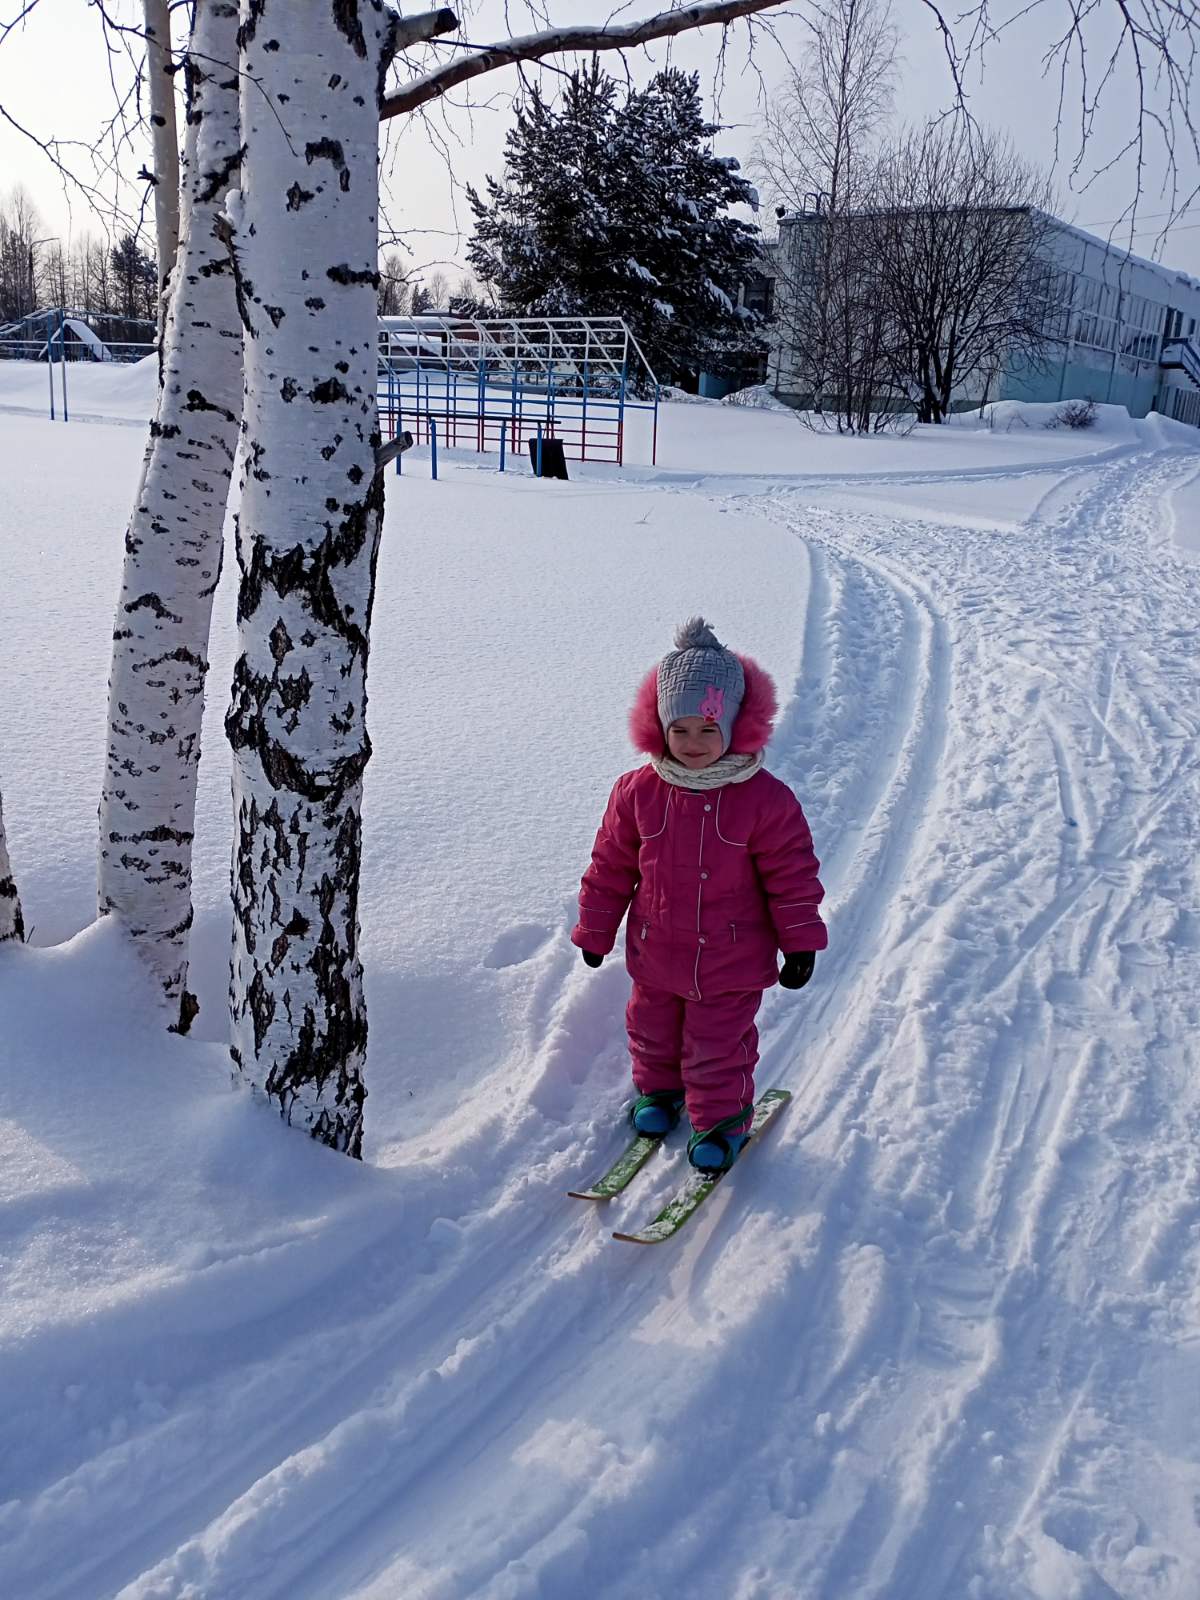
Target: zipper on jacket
point(733, 932)
point(645, 929)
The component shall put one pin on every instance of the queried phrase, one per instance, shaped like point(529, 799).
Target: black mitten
point(798, 968)
point(591, 958)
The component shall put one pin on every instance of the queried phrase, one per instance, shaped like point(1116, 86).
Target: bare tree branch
point(583, 37)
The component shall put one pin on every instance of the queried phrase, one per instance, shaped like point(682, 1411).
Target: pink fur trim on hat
point(751, 728)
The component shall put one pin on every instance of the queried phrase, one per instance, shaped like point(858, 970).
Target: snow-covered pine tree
point(546, 237)
point(691, 252)
point(12, 925)
point(136, 278)
point(173, 545)
point(304, 237)
point(610, 209)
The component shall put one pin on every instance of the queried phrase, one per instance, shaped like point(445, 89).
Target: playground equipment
point(59, 337)
point(490, 384)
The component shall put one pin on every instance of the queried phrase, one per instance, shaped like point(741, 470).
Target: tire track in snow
point(876, 805)
point(1043, 1199)
point(961, 1295)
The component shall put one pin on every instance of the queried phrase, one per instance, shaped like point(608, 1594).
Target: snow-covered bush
point(758, 397)
point(1075, 414)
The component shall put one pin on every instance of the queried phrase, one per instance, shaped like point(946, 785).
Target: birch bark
point(304, 240)
point(156, 24)
point(11, 924)
point(173, 546)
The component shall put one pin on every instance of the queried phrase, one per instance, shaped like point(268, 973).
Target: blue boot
point(656, 1114)
point(717, 1149)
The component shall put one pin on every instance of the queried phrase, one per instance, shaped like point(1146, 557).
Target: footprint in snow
point(516, 945)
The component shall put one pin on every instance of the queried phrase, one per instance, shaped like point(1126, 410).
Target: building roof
point(1171, 276)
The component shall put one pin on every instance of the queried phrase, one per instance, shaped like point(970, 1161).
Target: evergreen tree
point(137, 278)
point(609, 209)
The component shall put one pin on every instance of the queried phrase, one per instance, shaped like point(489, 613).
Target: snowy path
point(1023, 1034)
point(940, 1338)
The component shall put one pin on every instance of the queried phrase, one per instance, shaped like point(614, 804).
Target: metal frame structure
point(63, 334)
point(495, 383)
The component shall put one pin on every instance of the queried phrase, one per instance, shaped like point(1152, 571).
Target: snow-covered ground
point(695, 440)
point(938, 1339)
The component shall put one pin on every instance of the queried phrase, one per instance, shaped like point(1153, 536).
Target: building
point(742, 366)
point(1120, 330)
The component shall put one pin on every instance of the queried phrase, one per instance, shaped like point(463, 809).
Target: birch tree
point(173, 546)
point(304, 239)
point(816, 154)
point(12, 925)
point(822, 125)
point(160, 72)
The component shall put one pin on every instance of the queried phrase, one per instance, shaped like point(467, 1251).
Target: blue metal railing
point(489, 384)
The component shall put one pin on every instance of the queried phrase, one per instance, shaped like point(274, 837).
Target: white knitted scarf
point(729, 769)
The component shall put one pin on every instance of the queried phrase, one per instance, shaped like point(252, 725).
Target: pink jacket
point(716, 882)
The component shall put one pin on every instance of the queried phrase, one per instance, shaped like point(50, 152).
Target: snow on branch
point(533, 46)
point(424, 26)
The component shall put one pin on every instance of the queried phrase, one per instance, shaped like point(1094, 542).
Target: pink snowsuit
point(716, 882)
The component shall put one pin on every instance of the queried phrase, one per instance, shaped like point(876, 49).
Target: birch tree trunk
point(173, 546)
point(305, 248)
point(156, 24)
point(12, 925)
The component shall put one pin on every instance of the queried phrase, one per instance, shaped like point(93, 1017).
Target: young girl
point(713, 860)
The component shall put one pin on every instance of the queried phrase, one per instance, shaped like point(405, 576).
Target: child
point(713, 860)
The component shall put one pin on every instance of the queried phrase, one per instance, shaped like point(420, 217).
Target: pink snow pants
point(707, 1048)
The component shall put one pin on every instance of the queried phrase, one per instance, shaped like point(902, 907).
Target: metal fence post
point(62, 339)
point(433, 446)
point(537, 466)
point(503, 442)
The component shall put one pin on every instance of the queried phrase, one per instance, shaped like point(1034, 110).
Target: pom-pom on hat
point(700, 678)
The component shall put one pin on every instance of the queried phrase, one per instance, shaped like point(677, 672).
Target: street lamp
point(33, 244)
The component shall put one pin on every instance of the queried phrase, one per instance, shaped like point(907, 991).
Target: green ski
point(631, 1160)
point(697, 1188)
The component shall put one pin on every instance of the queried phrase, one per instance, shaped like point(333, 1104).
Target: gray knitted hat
point(700, 678)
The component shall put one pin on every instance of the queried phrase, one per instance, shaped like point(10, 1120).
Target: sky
point(68, 94)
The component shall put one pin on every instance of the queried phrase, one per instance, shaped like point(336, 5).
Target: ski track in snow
point(940, 1324)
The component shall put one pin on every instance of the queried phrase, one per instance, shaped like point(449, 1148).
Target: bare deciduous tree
point(438, 287)
point(394, 290)
point(20, 226)
point(816, 157)
point(821, 126)
point(957, 236)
